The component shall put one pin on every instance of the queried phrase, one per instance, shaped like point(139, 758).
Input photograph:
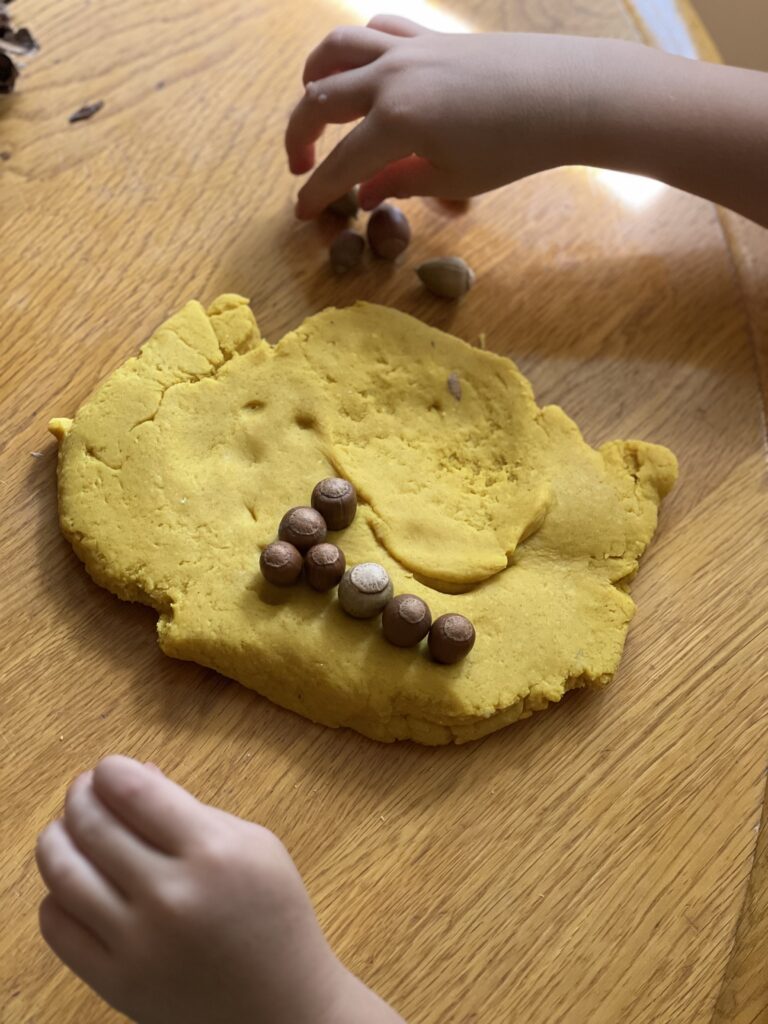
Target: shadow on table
point(651, 304)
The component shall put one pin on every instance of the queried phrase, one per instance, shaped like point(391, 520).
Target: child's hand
point(456, 115)
point(175, 912)
point(446, 115)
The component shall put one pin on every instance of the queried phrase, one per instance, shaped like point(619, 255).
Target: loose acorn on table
point(345, 206)
point(449, 277)
point(389, 232)
point(346, 251)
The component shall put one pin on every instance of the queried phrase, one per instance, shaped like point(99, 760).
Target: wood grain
point(742, 998)
point(589, 865)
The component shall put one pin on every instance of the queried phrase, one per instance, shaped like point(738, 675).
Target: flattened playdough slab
point(174, 475)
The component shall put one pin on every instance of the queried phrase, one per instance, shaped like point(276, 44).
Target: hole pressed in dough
point(305, 420)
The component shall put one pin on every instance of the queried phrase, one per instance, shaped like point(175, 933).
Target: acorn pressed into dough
point(174, 475)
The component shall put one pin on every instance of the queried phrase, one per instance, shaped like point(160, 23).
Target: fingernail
point(153, 767)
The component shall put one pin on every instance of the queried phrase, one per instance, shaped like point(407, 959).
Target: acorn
point(324, 565)
point(8, 74)
point(345, 206)
point(389, 232)
point(451, 638)
point(449, 277)
point(336, 501)
point(346, 251)
point(303, 527)
point(281, 563)
point(365, 590)
point(406, 620)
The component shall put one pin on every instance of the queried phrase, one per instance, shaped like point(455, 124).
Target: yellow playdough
point(174, 475)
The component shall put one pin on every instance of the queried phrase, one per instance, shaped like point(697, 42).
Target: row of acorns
point(389, 234)
point(365, 591)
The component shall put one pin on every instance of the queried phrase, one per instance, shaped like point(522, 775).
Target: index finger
point(334, 100)
point(359, 155)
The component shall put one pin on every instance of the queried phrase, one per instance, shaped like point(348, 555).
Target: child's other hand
point(442, 114)
point(178, 913)
point(455, 115)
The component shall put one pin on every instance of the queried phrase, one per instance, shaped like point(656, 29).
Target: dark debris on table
point(14, 43)
point(86, 112)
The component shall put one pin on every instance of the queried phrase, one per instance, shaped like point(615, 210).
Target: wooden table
point(588, 866)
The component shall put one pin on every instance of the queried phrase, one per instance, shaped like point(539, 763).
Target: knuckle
point(174, 900)
point(391, 113)
point(270, 843)
point(215, 852)
point(222, 851)
point(270, 854)
point(395, 62)
point(338, 38)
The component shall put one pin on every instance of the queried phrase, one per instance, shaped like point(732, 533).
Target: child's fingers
point(359, 156)
point(345, 48)
point(72, 943)
point(121, 856)
point(160, 812)
point(394, 25)
point(77, 885)
point(335, 100)
point(411, 176)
